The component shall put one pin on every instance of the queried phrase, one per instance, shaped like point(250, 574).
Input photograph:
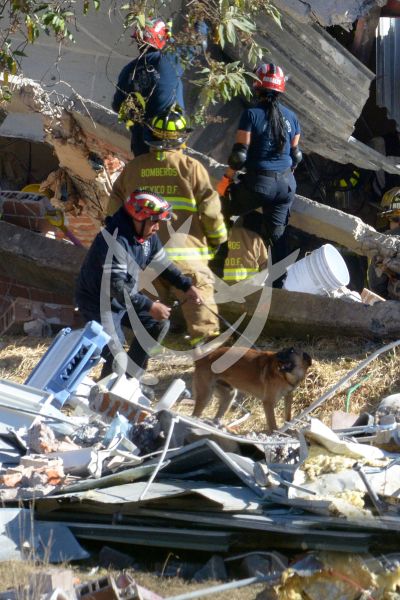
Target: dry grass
point(16, 575)
point(332, 359)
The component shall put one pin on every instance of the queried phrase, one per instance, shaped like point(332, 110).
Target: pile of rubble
point(99, 461)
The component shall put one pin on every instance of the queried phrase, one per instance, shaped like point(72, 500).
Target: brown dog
point(264, 374)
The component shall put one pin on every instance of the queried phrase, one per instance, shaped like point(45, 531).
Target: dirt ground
point(332, 359)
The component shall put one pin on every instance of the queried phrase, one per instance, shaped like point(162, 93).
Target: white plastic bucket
point(322, 271)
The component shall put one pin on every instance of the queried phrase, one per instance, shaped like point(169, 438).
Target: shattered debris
point(116, 470)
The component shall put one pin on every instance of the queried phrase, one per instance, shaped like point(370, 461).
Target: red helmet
point(155, 33)
point(271, 78)
point(142, 205)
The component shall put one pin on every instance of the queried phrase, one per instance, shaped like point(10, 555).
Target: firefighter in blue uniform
point(134, 227)
point(266, 145)
point(153, 80)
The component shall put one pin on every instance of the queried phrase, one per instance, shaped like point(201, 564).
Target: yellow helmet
point(390, 204)
point(169, 130)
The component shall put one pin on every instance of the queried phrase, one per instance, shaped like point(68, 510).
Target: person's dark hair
point(276, 123)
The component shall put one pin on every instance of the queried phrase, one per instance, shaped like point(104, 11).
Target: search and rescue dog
point(266, 375)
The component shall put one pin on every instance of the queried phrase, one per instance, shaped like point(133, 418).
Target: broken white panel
point(128, 390)
point(27, 126)
point(167, 401)
point(21, 404)
point(84, 461)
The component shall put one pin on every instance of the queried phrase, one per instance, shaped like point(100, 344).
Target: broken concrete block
point(36, 462)
point(41, 439)
point(37, 328)
point(124, 396)
point(259, 564)
point(369, 297)
point(129, 589)
point(47, 581)
point(82, 461)
point(342, 420)
point(11, 478)
point(102, 589)
point(214, 569)
point(388, 406)
point(111, 558)
point(51, 473)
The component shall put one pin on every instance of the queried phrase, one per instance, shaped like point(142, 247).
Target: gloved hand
point(223, 185)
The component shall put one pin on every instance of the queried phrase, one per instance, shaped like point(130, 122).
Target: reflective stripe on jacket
point(247, 254)
point(198, 224)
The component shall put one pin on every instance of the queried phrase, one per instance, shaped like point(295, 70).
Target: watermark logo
point(119, 262)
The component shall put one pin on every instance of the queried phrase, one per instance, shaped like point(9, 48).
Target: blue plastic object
point(70, 357)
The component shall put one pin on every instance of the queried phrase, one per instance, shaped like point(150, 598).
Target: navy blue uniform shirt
point(262, 153)
point(157, 76)
point(130, 256)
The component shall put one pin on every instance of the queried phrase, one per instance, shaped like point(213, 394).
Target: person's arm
point(295, 153)
point(124, 274)
point(122, 87)
point(295, 140)
point(166, 268)
point(236, 160)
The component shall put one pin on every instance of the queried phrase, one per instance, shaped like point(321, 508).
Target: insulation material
point(322, 435)
point(329, 473)
point(337, 577)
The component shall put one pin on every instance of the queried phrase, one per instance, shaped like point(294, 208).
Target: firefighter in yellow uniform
point(247, 253)
point(185, 184)
point(381, 279)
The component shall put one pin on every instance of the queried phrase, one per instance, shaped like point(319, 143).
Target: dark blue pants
point(274, 195)
point(140, 356)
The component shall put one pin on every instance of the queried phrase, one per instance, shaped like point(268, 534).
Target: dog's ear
point(285, 359)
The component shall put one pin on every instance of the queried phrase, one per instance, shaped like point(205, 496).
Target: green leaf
point(230, 32)
point(221, 35)
point(40, 7)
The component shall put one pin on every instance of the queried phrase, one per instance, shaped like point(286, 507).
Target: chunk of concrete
point(255, 565)
point(111, 558)
point(213, 569)
point(48, 580)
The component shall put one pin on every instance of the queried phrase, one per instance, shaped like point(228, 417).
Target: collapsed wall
point(92, 148)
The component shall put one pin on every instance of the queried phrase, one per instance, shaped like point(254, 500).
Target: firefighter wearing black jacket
point(129, 243)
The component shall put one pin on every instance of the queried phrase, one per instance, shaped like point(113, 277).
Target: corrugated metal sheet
point(329, 12)
point(327, 88)
point(388, 67)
